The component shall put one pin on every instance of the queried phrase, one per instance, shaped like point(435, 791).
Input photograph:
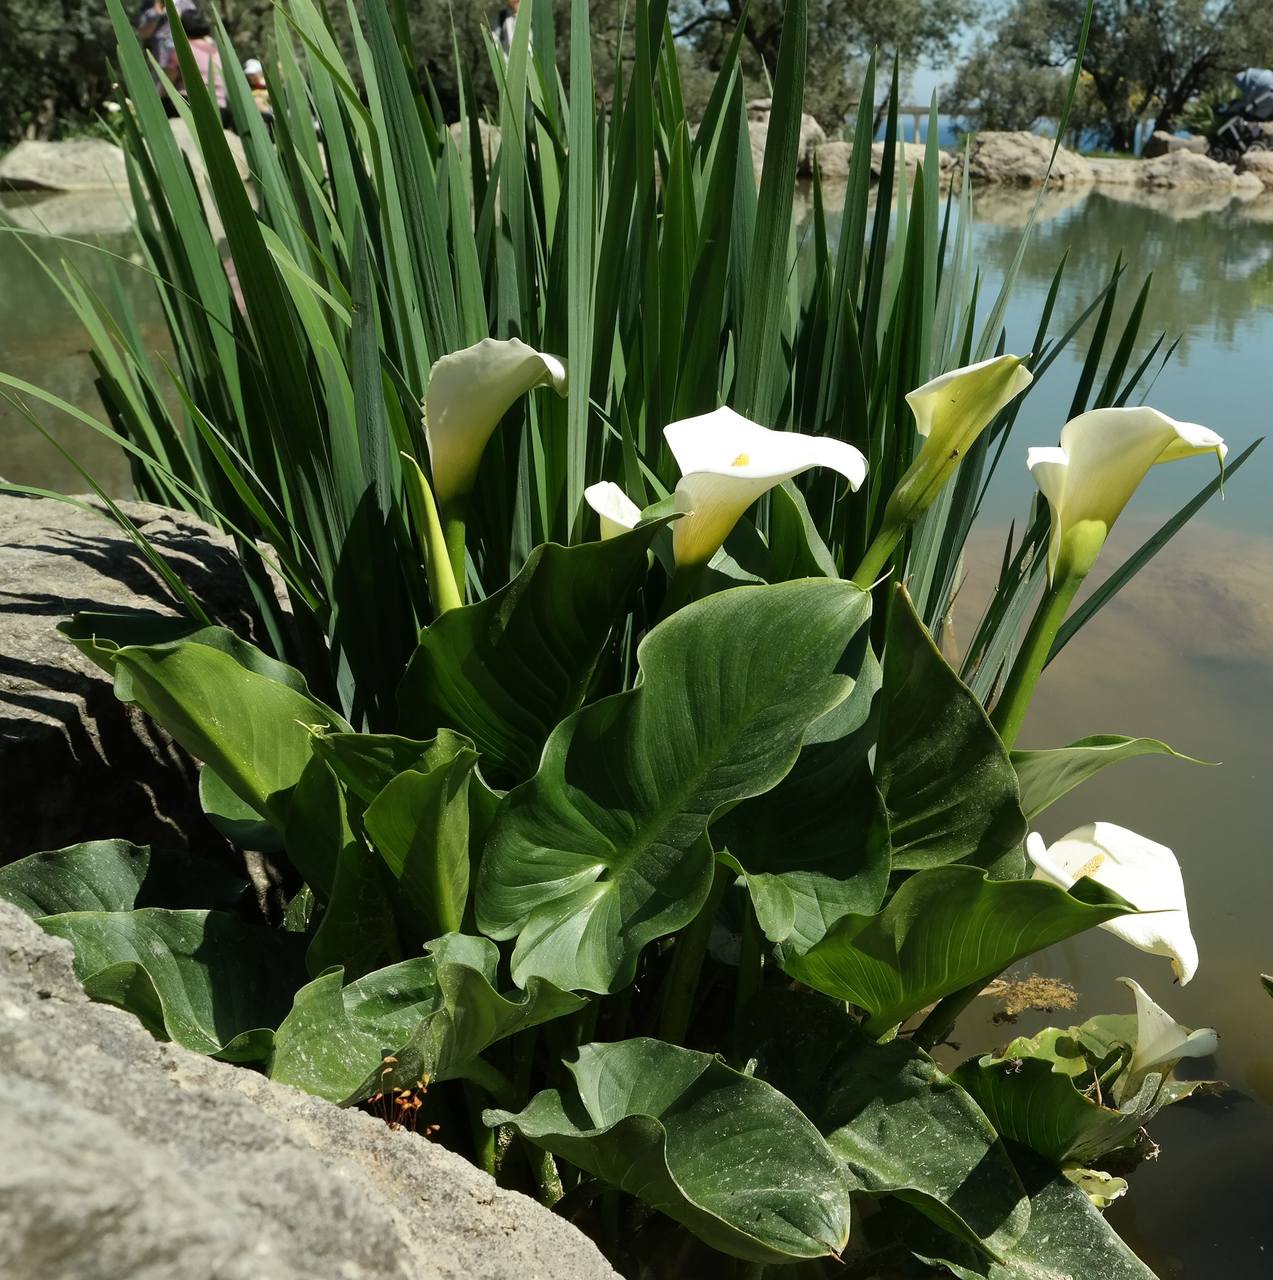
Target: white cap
point(252, 67)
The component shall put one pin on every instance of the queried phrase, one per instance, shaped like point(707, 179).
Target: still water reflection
point(1186, 654)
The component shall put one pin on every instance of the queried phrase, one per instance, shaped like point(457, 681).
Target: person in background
point(153, 28)
point(207, 58)
point(255, 74)
point(505, 24)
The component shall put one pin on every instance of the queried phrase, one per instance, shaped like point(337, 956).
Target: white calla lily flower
point(1160, 1040)
point(727, 462)
point(1142, 872)
point(1088, 480)
point(618, 513)
point(469, 392)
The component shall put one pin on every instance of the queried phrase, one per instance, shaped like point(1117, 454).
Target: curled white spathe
point(469, 392)
point(1160, 1040)
point(1139, 870)
point(616, 511)
point(1090, 477)
point(727, 462)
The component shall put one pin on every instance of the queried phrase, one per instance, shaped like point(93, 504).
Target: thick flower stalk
point(951, 412)
point(727, 462)
point(469, 392)
point(1088, 480)
point(1139, 870)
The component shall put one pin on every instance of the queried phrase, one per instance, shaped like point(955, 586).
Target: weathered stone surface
point(489, 134)
point(1185, 169)
point(913, 154)
point(1161, 144)
point(82, 164)
point(1109, 172)
point(1021, 159)
point(1258, 164)
point(69, 213)
point(125, 1159)
point(76, 763)
point(833, 160)
point(812, 136)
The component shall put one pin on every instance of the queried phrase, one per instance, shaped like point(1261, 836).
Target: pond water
point(1185, 654)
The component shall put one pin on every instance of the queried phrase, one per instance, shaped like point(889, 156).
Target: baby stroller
point(1245, 118)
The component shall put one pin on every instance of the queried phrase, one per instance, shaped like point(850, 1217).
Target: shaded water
point(1185, 654)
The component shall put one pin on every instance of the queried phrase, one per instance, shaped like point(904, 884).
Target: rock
point(1110, 172)
point(75, 762)
point(1246, 186)
point(1161, 144)
point(82, 164)
point(489, 134)
point(190, 148)
point(1185, 170)
point(1003, 206)
point(1258, 165)
point(1021, 159)
point(833, 160)
point(70, 213)
point(812, 136)
point(913, 153)
point(122, 1158)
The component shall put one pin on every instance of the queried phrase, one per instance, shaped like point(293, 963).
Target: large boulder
point(488, 133)
point(1185, 170)
point(1260, 165)
point(122, 1158)
point(913, 154)
point(1108, 171)
point(1021, 159)
point(1161, 144)
point(812, 136)
point(75, 762)
point(81, 164)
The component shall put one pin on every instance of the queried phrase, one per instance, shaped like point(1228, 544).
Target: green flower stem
point(485, 1081)
point(681, 984)
point(1032, 657)
point(877, 556)
point(443, 590)
point(683, 588)
point(453, 517)
point(750, 973)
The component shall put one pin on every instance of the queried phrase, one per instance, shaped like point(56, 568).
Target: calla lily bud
point(469, 392)
point(727, 462)
point(618, 513)
point(1090, 478)
point(1140, 871)
point(950, 412)
point(1160, 1040)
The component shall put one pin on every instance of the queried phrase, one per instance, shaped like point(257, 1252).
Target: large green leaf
point(815, 848)
point(358, 929)
point(942, 930)
point(947, 782)
point(366, 763)
point(1067, 1239)
point(113, 875)
point(602, 851)
point(896, 1122)
point(250, 729)
point(419, 823)
point(100, 636)
point(1045, 776)
point(506, 670)
point(434, 1014)
point(721, 1152)
point(1057, 1092)
point(205, 979)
